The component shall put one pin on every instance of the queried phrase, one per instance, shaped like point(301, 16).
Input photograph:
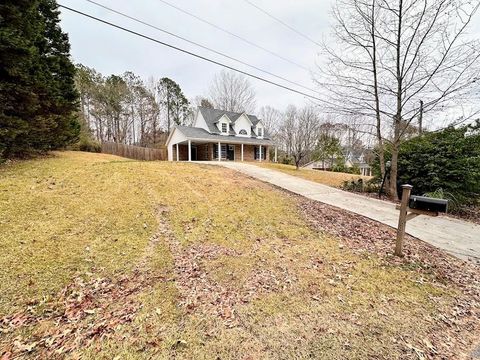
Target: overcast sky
point(111, 51)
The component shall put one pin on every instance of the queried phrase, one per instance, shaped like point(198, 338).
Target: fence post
point(402, 220)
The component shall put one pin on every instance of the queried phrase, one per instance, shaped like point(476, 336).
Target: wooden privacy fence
point(134, 152)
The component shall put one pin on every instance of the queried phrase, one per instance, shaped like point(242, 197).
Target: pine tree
point(38, 100)
point(18, 102)
point(175, 102)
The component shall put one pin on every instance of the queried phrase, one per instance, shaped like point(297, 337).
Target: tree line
point(126, 109)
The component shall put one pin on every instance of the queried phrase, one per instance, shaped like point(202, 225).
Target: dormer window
point(224, 128)
point(260, 132)
point(243, 132)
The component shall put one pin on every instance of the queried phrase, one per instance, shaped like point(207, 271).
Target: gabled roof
point(194, 133)
point(212, 116)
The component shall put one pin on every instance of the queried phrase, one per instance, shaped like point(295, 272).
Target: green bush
point(360, 185)
point(286, 160)
point(340, 167)
point(453, 203)
point(87, 144)
point(448, 160)
point(355, 169)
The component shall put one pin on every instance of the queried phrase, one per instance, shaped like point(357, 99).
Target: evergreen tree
point(38, 100)
point(175, 102)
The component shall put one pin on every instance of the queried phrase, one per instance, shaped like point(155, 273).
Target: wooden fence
point(134, 152)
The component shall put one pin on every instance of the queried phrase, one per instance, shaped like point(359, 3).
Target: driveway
point(459, 238)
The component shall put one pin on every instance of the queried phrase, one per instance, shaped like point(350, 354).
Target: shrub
point(447, 160)
point(453, 203)
point(87, 144)
point(355, 169)
point(340, 167)
point(286, 160)
point(360, 185)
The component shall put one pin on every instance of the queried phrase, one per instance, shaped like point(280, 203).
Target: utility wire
point(199, 45)
point(282, 22)
point(190, 53)
point(235, 35)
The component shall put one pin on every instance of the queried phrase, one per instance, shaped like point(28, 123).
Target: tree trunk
point(394, 172)
point(398, 117)
point(381, 152)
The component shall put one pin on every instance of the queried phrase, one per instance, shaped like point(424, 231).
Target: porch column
point(275, 154)
point(242, 152)
point(260, 154)
point(189, 150)
point(219, 151)
point(178, 156)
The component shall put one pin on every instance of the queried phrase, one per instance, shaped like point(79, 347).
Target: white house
point(220, 135)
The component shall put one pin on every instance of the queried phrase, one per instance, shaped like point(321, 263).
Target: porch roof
point(199, 134)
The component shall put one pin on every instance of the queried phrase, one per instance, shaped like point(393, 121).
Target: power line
point(197, 44)
point(234, 35)
point(190, 53)
point(282, 22)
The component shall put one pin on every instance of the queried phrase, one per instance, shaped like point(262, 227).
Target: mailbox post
point(411, 207)
point(402, 220)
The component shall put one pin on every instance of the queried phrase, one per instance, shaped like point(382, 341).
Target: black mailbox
point(428, 204)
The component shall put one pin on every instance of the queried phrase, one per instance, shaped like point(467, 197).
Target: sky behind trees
point(112, 51)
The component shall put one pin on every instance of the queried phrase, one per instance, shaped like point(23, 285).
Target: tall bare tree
point(271, 119)
point(299, 132)
point(393, 55)
point(232, 92)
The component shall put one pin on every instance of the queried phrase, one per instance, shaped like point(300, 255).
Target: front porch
point(220, 151)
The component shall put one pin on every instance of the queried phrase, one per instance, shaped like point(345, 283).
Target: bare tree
point(201, 101)
point(299, 132)
point(271, 119)
point(391, 56)
point(232, 92)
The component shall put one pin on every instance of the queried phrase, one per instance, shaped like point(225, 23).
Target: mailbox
point(428, 204)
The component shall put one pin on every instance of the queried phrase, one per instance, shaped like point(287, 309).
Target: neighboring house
point(351, 158)
point(357, 158)
point(220, 135)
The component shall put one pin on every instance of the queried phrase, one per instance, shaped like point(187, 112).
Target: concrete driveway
point(459, 238)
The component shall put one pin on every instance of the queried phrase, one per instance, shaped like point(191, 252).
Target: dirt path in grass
point(205, 297)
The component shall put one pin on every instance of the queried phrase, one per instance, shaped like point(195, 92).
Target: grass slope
point(329, 178)
point(200, 262)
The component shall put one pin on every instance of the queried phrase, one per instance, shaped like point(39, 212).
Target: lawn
point(109, 258)
point(329, 178)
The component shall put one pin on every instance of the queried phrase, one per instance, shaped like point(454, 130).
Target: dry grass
point(329, 178)
point(244, 276)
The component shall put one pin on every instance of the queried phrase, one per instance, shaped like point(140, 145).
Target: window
point(223, 150)
point(243, 132)
point(257, 153)
point(260, 132)
point(224, 128)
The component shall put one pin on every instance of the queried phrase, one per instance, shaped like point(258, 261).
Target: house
point(350, 157)
point(357, 158)
point(220, 135)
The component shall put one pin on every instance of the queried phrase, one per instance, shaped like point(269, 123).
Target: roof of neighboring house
point(195, 133)
point(354, 155)
point(212, 116)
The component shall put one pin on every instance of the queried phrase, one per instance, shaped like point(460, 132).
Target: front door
point(231, 152)
point(194, 153)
